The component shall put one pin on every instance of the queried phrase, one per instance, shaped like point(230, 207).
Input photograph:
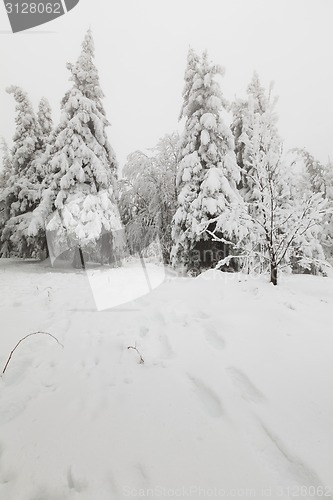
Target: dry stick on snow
point(19, 342)
point(135, 349)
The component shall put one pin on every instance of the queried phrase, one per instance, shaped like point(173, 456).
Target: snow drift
point(234, 398)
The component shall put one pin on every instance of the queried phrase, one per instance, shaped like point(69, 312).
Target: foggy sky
point(141, 49)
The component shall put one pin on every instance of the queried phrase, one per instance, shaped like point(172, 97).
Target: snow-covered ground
point(234, 398)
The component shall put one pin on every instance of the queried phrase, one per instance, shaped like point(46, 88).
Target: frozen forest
point(165, 319)
point(223, 194)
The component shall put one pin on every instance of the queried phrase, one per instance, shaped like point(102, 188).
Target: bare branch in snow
point(24, 338)
point(135, 349)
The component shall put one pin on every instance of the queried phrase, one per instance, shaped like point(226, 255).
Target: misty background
point(141, 50)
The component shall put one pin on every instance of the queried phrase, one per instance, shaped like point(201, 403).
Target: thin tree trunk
point(78, 260)
point(274, 273)
point(81, 258)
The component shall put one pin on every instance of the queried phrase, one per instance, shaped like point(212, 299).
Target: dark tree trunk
point(274, 273)
point(78, 260)
point(106, 249)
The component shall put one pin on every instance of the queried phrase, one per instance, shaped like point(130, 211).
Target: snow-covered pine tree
point(207, 171)
point(79, 201)
point(242, 129)
point(282, 227)
point(6, 167)
point(191, 73)
point(316, 177)
point(39, 172)
point(327, 240)
point(5, 173)
point(238, 109)
point(21, 193)
point(44, 117)
point(86, 79)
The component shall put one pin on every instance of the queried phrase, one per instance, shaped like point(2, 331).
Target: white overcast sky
point(141, 49)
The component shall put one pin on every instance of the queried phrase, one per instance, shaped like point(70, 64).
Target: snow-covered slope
point(234, 398)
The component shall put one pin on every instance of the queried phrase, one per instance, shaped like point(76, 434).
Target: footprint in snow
point(139, 477)
point(213, 338)
point(160, 318)
point(74, 483)
point(144, 330)
point(289, 305)
point(247, 389)
point(201, 315)
point(113, 484)
point(6, 474)
point(293, 471)
point(166, 349)
point(207, 397)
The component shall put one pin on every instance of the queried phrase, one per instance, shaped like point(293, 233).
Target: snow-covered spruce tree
point(38, 172)
point(148, 195)
point(6, 167)
point(316, 177)
point(21, 193)
point(207, 170)
point(282, 227)
point(5, 173)
point(191, 73)
point(79, 200)
point(328, 225)
point(44, 117)
point(86, 79)
point(242, 129)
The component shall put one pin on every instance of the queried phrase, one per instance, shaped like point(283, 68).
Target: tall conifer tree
point(79, 201)
point(21, 194)
point(207, 172)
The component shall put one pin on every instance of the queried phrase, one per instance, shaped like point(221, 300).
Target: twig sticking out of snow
point(19, 342)
point(135, 349)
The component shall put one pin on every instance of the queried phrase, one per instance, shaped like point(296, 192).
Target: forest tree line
point(217, 195)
